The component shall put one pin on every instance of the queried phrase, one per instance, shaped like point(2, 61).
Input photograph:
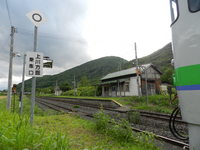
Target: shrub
point(82, 91)
point(134, 117)
point(102, 121)
point(122, 131)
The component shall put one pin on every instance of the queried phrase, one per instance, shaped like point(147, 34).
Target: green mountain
point(93, 70)
point(96, 69)
point(161, 58)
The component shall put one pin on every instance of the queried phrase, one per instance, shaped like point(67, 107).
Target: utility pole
point(137, 70)
point(22, 88)
point(146, 86)
point(9, 93)
point(33, 79)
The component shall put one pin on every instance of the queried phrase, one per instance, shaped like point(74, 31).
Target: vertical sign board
point(34, 64)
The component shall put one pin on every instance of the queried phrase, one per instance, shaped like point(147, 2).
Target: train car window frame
point(174, 19)
point(189, 7)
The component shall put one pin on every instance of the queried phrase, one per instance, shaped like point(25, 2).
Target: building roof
point(130, 71)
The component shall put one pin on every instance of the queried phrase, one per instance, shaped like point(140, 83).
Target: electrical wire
point(8, 10)
point(43, 34)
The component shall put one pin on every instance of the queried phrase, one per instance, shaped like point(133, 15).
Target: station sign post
point(37, 19)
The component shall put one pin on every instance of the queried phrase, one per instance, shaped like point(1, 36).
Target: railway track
point(153, 115)
point(59, 105)
point(159, 116)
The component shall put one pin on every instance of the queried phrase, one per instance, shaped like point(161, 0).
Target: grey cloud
point(60, 37)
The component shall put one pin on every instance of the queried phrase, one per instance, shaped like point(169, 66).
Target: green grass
point(60, 132)
point(157, 103)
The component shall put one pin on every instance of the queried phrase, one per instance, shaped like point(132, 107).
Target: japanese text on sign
point(34, 64)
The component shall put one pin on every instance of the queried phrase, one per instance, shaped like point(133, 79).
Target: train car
point(185, 27)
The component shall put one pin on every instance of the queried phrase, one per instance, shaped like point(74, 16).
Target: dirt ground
point(2, 97)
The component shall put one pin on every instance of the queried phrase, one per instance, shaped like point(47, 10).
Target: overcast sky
point(77, 31)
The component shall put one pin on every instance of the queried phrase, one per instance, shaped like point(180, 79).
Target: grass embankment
point(157, 103)
point(65, 131)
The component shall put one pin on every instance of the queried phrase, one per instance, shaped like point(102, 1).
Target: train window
point(194, 5)
point(174, 10)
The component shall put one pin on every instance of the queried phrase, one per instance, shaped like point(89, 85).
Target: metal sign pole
point(33, 80)
point(9, 93)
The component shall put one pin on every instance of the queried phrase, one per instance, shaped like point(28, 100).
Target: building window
point(151, 88)
point(194, 5)
point(113, 88)
point(127, 87)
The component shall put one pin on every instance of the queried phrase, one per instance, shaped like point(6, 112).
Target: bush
point(134, 117)
point(102, 121)
point(122, 131)
point(82, 91)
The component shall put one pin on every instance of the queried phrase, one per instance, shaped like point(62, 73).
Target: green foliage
point(134, 117)
point(158, 103)
point(102, 121)
point(16, 133)
point(65, 86)
point(167, 75)
point(84, 82)
point(3, 93)
point(122, 131)
point(81, 91)
point(48, 90)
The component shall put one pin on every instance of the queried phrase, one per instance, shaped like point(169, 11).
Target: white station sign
point(34, 64)
point(36, 17)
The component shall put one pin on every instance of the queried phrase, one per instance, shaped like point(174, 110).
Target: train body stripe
point(188, 75)
point(188, 87)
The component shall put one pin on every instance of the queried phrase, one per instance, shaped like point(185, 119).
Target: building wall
point(151, 74)
point(133, 89)
point(132, 86)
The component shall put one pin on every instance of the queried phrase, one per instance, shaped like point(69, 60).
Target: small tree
point(65, 86)
point(84, 82)
point(167, 76)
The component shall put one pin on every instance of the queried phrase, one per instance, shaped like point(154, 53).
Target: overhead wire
point(8, 10)
point(43, 34)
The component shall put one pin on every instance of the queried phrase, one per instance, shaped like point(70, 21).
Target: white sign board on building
point(34, 64)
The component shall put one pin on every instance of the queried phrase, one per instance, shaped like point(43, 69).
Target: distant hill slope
point(161, 58)
point(98, 68)
point(94, 70)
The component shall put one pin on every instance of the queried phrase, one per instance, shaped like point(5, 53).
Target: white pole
point(9, 93)
point(137, 69)
point(33, 80)
point(147, 101)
